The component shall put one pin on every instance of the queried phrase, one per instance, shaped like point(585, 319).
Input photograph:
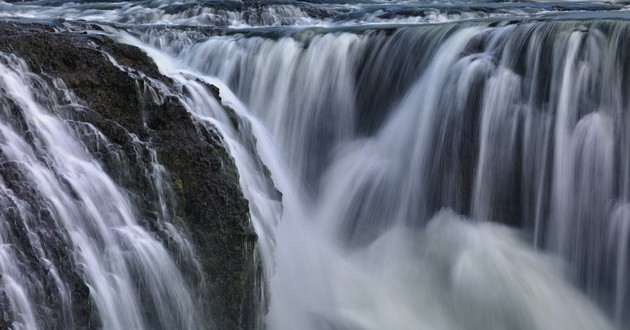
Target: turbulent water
point(442, 165)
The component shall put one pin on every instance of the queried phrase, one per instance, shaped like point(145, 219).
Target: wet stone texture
point(208, 201)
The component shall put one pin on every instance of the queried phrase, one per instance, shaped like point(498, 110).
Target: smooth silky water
point(97, 220)
point(468, 172)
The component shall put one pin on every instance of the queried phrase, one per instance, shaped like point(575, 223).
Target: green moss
point(179, 185)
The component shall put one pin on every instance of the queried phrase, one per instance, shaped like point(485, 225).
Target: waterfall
point(58, 202)
point(419, 165)
point(517, 124)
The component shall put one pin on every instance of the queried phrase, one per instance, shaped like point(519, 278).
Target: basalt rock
point(208, 201)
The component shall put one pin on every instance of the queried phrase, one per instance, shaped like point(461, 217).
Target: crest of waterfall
point(236, 14)
point(58, 200)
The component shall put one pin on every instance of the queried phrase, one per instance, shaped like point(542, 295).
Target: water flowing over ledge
point(110, 191)
point(465, 169)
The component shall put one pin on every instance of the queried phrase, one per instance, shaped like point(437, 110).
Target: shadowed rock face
point(208, 199)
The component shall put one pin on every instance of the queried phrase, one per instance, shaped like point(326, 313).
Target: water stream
point(468, 172)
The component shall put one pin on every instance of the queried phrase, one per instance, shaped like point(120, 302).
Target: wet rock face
point(208, 198)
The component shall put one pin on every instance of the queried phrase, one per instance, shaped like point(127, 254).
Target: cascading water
point(463, 175)
point(54, 190)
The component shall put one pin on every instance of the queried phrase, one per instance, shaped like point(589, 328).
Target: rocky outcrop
point(208, 200)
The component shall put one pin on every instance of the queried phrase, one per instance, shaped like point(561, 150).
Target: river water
point(442, 165)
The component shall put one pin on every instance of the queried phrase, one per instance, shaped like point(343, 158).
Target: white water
point(236, 14)
point(119, 261)
point(357, 242)
point(379, 141)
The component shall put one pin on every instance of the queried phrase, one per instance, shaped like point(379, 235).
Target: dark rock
point(208, 198)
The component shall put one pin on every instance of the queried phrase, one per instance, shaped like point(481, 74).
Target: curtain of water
point(396, 150)
point(517, 124)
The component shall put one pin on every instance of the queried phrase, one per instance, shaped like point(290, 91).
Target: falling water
point(53, 189)
point(482, 126)
point(469, 172)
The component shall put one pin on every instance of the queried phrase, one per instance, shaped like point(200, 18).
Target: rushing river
point(442, 165)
